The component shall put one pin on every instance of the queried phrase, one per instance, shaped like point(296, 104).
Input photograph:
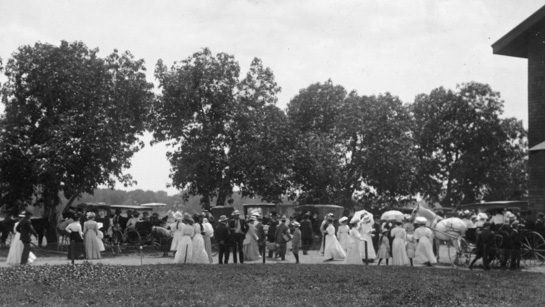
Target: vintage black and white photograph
point(272, 153)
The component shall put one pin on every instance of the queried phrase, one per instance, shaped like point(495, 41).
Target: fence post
point(366, 260)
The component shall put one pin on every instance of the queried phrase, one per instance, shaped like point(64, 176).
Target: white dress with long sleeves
point(399, 251)
point(15, 248)
point(184, 248)
point(355, 247)
point(208, 234)
point(343, 237)
point(333, 249)
point(176, 229)
point(424, 249)
point(199, 254)
point(366, 233)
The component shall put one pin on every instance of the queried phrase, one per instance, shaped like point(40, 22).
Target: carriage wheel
point(533, 249)
point(133, 237)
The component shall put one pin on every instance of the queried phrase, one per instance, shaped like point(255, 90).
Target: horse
point(450, 230)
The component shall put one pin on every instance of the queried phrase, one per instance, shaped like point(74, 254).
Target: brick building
point(527, 40)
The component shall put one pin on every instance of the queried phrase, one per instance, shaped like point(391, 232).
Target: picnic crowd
point(357, 240)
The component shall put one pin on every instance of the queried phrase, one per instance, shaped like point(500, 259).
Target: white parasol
point(392, 215)
point(358, 216)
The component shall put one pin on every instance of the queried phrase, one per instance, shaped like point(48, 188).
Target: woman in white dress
point(15, 248)
point(355, 246)
point(176, 229)
point(342, 233)
point(250, 245)
point(333, 249)
point(199, 254)
point(424, 239)
point(399, 252)
point(365, 228)
point(184, 248)
point(208, 235)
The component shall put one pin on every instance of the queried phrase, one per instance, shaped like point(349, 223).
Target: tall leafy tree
point(210, 117)
point(72, 121)
point(460, 140)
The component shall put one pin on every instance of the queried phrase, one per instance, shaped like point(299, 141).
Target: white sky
point(373, 46)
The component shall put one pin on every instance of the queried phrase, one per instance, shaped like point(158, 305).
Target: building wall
point(536, 117)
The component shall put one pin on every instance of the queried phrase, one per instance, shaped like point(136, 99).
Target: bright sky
point(372, 46)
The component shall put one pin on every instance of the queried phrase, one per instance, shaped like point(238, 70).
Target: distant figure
point(176, 229)
point(222, 235)
point(198, 254)
point(485, 247)
point(26, 231)
point(399, 252)
point(184, 248)
point(251, 244)
point(296, 241)
point(90, 237)
point(424, 239)
point(342, 233)
point(355, 246)
point(332, 248)
point(306, 233)
point(16, 248)
point(384, 251)
point(238, 229)
point(208, 234)
point(75, 234)
point(282, 238)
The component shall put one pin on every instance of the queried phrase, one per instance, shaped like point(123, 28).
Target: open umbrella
point(358, 215)
point(392, 215)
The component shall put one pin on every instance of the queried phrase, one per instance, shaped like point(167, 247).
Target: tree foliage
point(72, 120)
point(219, 125)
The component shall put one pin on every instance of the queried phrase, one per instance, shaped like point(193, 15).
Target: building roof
point(515, 43)
point(538, 147)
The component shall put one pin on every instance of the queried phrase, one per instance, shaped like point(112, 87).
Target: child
point(411, 247)
point(384, 247)
point(296, 240)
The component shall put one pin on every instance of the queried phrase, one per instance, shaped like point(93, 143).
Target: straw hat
point(222, 218)
point(178, 215)
point(343, 219)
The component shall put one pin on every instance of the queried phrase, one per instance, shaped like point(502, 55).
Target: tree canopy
point(72, 121)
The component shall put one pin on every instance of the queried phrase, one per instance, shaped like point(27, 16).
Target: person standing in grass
point(424, 239)
point(90, 237)
point(238, 229)
point(184, 250)
point(75, 233)
point(176, 229)
point(16, 247)
point(332, 249)
point(282, 237)
point(355, 246)
point(296, 241)
point(384, 247)
point(260, 232)
point(399, 252)
point(342, 233)
point(198, 254)
point(411, 247)
point(251, 245)
point(306, 233)
point(208, 235)
point(222, 237)
point(26, 230)
point(485, 246)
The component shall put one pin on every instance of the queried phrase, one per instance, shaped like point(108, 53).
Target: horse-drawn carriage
point(530, 244)
point(454, 233)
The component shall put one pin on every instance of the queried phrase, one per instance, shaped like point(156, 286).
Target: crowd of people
point(355, 240)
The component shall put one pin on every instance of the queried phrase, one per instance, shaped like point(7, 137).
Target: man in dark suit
point(282, 238)
point(306, 232)
point(238, 229)
point(222, 235)
point(485, 246)
point(26, 230)
point(271, 233)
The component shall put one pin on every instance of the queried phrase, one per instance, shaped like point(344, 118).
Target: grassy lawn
point(257, 285)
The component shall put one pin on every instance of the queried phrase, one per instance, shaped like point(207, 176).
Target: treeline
point(72, 122)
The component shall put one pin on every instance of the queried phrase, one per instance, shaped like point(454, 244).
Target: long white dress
point(15, 248)
point(355, 246)
point(424, 249)
point(208, 234)
point(399, 252)
point(184, 248)
point(199, 254)
point(366, 230)
point(176, 229)
point(343, 236)
point(333, 249)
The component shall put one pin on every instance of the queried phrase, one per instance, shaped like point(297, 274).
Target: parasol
point(358, 215)
point(392, 215)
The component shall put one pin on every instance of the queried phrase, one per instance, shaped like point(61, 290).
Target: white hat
point(296, 224)
point(343, 219)
point(420, 220)
point(482, 216)
point(178, 215)
point(100, 225)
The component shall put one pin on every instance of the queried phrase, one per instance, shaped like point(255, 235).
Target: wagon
point(533, 244)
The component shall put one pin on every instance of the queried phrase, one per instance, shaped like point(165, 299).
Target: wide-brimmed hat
point(222, 218)
point(343, 219)
point(296, 224)
point(420, 220)
point(178, 215)
point(236, 212)
point(90, 214)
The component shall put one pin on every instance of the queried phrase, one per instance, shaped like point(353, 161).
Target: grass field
point(270, 285)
